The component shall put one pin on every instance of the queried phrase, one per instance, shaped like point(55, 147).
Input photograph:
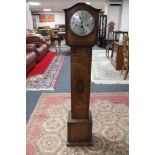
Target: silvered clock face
point(82, 23)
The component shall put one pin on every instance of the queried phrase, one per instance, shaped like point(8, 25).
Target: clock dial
point(82, 23)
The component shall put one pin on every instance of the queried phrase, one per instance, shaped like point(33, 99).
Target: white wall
point(29, 21)
point(59, 19)
point(114, 14)
point(118, 14)
point(125, 16)
point(106, 5)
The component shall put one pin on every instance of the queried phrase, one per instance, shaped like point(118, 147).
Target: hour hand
point(81, 20)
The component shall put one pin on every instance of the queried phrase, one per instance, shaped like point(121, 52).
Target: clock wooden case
point(79, 125)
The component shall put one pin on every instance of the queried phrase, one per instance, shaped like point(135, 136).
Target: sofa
point(31, 57)
point(36, 48)
point(40, 43)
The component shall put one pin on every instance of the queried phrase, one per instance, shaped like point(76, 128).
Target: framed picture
point(51, 18)
point(42, 18)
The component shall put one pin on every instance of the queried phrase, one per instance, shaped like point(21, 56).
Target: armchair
point(30, 57)
point(125, 56)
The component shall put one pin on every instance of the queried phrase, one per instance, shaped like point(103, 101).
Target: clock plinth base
point(72, 144)
point(79, 131)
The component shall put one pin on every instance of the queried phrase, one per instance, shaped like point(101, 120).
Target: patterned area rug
point(49, 78)
point(47, 127)
point(103, 71)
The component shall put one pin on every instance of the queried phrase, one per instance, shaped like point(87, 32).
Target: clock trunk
point(80, 81)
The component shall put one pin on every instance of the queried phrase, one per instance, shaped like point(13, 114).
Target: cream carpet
point(102, 70)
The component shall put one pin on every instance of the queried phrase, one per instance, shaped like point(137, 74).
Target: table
point(117, 55)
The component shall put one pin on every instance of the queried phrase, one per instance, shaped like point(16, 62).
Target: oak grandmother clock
point(81, 35)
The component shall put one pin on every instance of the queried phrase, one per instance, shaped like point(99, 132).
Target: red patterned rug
point(48, 79)
point(41, 67)
point(47, 127)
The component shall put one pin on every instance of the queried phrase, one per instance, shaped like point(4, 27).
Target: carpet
point(103, 71)
point(48, 79)
point(47, 127)
point(41, 67)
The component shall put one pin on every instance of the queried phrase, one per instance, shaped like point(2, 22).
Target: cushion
point(34, 39)
point(30, 57)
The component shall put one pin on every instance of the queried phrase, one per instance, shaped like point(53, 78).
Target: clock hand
point(81, 20)
point(82, 25)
